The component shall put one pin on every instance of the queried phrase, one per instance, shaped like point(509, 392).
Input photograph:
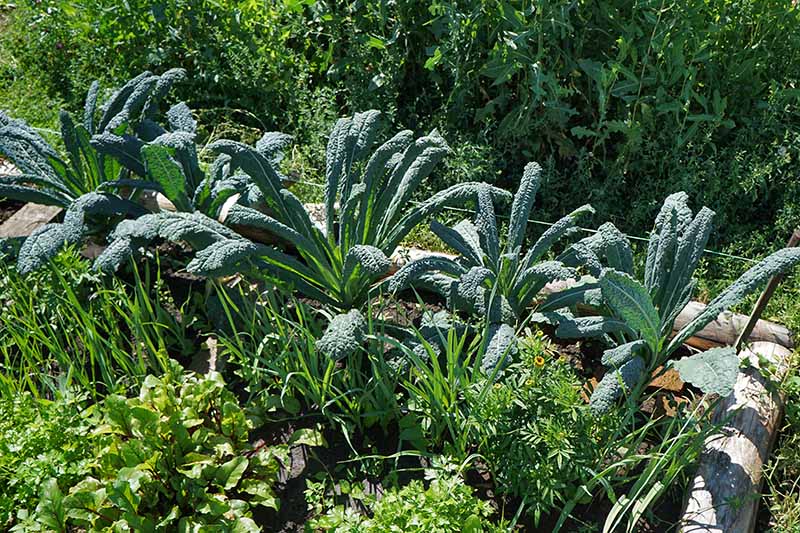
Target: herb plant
point(446, 505)
point(534, 429)
point(40, 440)
point(641, 313)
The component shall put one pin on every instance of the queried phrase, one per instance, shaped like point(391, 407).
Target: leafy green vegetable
point(644, 312)
point(447, 505)
point(93, 148)
point(713, 371)
point(40, 440)
point(491, 279)
point(174, 458)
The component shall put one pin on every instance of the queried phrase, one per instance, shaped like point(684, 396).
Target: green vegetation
point(328, 392)
point(56, 444)
point(447, 504)
point(176, 456)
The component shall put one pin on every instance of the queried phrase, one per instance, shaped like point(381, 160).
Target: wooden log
point(726, 328)
point(29, 218)
point(725, 492)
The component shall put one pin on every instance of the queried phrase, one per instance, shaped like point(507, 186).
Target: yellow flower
point(538, 361)
point(529, 382)
point(497, 385)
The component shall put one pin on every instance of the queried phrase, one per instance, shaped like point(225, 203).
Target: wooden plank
point(29, 218)
point(725, 492)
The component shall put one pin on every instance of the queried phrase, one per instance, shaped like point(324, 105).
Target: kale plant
point(172, 169)
point(369, 210)
point(640, 314)
point(490, 279)
point(94, 149)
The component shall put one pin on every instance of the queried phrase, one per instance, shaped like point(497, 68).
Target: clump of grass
point(63, 326)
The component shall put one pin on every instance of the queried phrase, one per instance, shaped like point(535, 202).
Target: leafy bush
point(496, 282)
point(534, 429)
point(40, 440)
point(42, 176)
point(641, 314)
point(610, 93)
point(177, 457)
point(446, 505)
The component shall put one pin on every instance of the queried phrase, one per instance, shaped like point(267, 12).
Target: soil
point(8, 208)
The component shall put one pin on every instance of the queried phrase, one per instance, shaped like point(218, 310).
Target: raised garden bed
point(366, 381)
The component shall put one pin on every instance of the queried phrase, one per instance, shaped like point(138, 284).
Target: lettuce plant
point(491, 279)
point(80, 183)
point(640, 313)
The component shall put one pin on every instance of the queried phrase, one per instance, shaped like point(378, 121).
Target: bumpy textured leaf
point(131, 235)
point(90, 107)
point(616, 248)
point(180, 118)
point(581, 254)
point(223, 257)
point(409, 272)
point(532, 280)
point(778, 262)
point(343, 336)
point(114, 105)
point(434, 150)
point(690, 248)
point(614, 384)
point(619, 355)
point(586, 292)
point(591, 326)
point(463, 238)
point(195, 228)
point(368, 260)
point(44, 244)
point(471, 287)
point(126, 149)
point(713, 371)
point(272, 143)
point(521, 208)
point(132, 108)
point(258, 168)
point(501, 348)
point(239, 215)
point(630, 301)
point(555, 232)
point(486, 224)
point(163, 85)
point(118, 251)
